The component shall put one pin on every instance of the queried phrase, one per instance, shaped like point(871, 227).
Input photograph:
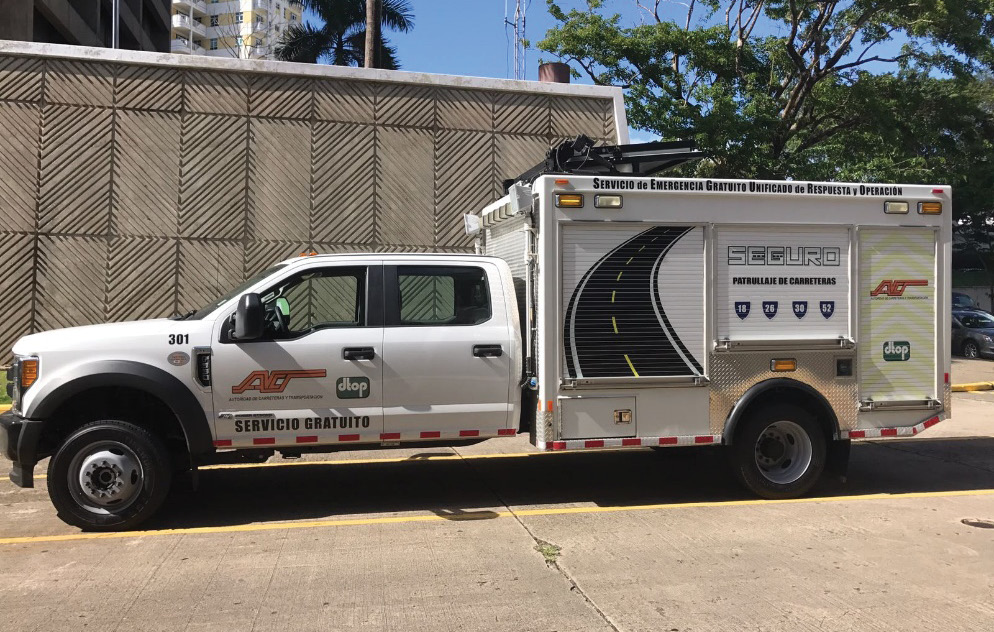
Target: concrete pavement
point(642, 540)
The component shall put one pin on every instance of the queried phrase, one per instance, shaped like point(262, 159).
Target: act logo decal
point(890, 287)
point(273, 381)
point(352, 387)
point(897, 350)
point(770, 308)
point(742, 309)
point(827, 308)
point(800, 308)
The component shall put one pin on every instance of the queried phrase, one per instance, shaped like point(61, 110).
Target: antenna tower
point(517, 24)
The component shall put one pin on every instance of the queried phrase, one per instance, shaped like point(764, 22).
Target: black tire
point(971, 350)
point(765, 471)
point(129, 466)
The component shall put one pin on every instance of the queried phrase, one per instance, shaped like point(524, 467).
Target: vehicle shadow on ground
point(467, 489)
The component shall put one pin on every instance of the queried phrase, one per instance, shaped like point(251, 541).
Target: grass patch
point(4, 398)
point(548, 550)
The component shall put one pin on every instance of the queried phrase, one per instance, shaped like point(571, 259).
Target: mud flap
point(837, 459)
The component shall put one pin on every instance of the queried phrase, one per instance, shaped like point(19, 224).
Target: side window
point(442, 295)
point(317, 299)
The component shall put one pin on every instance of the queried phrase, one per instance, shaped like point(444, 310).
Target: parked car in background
point(973, 333)
point(965, 301)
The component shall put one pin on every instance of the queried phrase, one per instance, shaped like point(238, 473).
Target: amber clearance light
point(29, 372)
point(783, 364)
point(569, 200)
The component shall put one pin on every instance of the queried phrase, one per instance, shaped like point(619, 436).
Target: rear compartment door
point(897, 315)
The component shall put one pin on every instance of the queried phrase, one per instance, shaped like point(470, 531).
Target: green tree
point(341, 39)
point(799, 89)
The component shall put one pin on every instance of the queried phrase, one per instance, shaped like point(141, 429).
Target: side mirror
point(250, 319)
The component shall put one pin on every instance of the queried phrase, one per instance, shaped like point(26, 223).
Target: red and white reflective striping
point(903, 431)
point(244, 442)
point(584, 444)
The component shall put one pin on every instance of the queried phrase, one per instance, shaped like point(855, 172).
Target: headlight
point(988, 339)
point(20, 377)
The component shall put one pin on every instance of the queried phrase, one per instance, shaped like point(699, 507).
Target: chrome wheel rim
point(783, 452)
point(106, 477)
point(970, 350)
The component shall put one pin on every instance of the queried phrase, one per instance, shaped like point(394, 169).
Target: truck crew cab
point(605, 308)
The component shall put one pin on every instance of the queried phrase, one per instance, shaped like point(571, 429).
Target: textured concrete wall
point(136, 185)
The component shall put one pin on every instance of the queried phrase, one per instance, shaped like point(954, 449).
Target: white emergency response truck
point(605, 308)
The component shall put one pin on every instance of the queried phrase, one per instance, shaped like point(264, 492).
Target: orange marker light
point(930, 208)
point(783, 364)
point(29, 372)
point(569, 200)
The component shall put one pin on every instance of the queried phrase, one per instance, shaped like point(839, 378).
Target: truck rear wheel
point(108, 476)
point(779, 451)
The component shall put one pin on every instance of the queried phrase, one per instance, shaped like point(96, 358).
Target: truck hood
point(104, 337)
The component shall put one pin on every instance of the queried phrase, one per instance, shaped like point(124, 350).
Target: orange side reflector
point(569, 200)
point(783, 365)
point(930, 208)
point(29, 372)
point(562, 182)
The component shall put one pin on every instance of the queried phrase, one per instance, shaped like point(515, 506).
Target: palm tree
point(341, 40)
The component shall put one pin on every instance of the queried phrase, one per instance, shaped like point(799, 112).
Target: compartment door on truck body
point(447, 363)
point(316, 376)
point(897, 317)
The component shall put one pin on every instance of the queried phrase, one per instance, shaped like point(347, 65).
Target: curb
point(973, 386)
point(4, 408)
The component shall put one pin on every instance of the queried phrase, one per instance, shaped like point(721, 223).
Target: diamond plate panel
point(207, 269)
point(74, 199)
point(280, 179)
point(465, 109)
point(146, 173)
point(344, 101)
point(400, 104)
point(16, 285)
point(18, 165)
point(405, 186)
point(345, 183)
point(70, 287)
point(522, 113)
point(732, 374)
point(462, 172)
point(79, 83)
point(213, 179)
point(572, 116)
point(216, 92)
point(141, 278)
point(280, 97)
point(148, 88)
point(21, 78)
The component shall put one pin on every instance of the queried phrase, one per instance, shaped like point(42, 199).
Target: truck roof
point(362, 256)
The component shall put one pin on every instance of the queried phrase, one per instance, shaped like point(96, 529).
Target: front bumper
point(19, 443)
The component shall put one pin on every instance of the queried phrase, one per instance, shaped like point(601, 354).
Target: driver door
point(315, 376)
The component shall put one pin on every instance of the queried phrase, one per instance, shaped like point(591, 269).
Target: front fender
point(154, 381)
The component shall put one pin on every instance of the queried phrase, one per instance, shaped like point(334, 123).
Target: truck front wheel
point(108, 476)
point(779, 451)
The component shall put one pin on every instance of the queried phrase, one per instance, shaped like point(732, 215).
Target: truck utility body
point(603, 309)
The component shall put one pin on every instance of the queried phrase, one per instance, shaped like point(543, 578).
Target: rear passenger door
point(446, 352)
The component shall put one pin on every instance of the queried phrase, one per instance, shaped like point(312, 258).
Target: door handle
point(358, 353)
point(487, 351)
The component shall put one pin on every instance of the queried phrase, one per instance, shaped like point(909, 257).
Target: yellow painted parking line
point(630, 365)
point(479, 515)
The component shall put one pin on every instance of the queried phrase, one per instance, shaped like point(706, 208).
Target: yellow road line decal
point(630, 366)
point(614, 323)
point(612, 295)
point(479, 515)
point(619, 276)
point(629, 260)
point(642, 248)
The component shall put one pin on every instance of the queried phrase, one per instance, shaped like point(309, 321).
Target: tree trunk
point(372, 32)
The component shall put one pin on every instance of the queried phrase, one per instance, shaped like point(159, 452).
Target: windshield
point(962, 300)
point(210, 307)
point(978, 321)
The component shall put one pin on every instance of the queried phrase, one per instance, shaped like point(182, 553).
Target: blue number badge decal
point(800, 308)
point(742, 309)
point(770, 308)
point(827, 308)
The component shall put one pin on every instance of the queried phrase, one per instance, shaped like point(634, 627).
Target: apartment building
point(236, 28)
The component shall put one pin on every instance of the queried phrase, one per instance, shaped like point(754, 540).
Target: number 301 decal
point(179, 339)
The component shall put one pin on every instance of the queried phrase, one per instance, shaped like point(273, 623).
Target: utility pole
point(518, 26)
point(372, 30)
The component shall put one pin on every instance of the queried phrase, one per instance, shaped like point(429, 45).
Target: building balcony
point(185, 7)
point(183, 25)
point(184, 47)
point(260, 5)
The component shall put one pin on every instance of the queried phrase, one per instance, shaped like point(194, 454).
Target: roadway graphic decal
point(616, 325)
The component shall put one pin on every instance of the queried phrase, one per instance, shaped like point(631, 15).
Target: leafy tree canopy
point(870, 90)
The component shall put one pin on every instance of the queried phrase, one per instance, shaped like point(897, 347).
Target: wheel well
point(810, 401)
point(116, 402)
